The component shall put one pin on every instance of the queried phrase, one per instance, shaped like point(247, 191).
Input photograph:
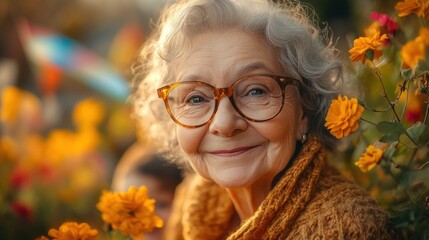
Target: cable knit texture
point(310, 201)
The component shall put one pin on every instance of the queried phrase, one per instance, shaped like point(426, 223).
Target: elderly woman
point(247, 85)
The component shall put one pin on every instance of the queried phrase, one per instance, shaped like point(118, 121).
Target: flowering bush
point(49, 175)
point(127, 214)
point(392, 132)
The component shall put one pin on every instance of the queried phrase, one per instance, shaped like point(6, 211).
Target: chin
point(232, 179)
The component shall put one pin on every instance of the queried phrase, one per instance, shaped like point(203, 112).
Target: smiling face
point(231, 150)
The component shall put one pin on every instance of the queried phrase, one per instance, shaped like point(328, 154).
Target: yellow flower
point(19, 106)
point(424, 36)
point(84, 179)
point(59, 145)
point(364, 44)
point(372, 29)
point(73, 231)
point(88, 112)
point(412, 52)
point(33, 153)
point(11, 100)
point(370, 158)
point(130, 212)
point(8, 149)
point(79, 143)
point(88, 139)
point(343, 115)
point(419, 7)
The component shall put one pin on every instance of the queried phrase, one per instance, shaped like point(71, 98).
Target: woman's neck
point(247, 199)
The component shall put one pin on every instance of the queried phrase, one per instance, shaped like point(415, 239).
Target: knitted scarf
point(209, 209)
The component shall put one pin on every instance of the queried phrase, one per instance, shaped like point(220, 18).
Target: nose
point(227, 121)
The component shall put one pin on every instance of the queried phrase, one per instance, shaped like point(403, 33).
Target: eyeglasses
point(257, 98)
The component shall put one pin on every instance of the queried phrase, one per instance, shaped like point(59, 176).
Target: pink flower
point(385, 21)
point(413, 115)
point(20, 178)
point(22, 210)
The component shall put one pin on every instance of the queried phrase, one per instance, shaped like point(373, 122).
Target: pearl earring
point(304, 138)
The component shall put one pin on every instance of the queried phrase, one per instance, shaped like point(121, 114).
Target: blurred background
point(64, 66)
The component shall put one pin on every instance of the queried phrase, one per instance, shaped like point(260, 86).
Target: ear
point(302, 127)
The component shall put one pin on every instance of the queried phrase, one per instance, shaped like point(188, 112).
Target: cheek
point(190, 139)
point(281, 135)
point(284, 127)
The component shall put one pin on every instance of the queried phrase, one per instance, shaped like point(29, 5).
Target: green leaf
point(392, 128)
point(416, 130)
point(389, 138)
point(390, 150)
point(369, 54)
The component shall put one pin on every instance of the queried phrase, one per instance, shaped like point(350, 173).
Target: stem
point(426, 81)
point(392, 105)
point(396, 179)
point(422, 166)
point(363, 119)
point(394, 164)
point(406, 97)
point(416, 145)
point(378, 110)
point(427, 110)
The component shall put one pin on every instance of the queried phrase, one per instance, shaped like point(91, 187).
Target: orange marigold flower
point(87, 139)
point(131, 212)
point(17, 104)
point(372, 29)
point(418, 7)
point(88, 112)
point(364, 44)
point(424, 36)
point(375, 27)
point(370, 158)
point(412, 52)
point(10, 102)
point(343, 115)
point(74, 231)
point(55, 143)
point(8, 149)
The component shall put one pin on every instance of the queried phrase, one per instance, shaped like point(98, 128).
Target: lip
point(232, 152)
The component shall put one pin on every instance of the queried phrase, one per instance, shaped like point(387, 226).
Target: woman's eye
point(196, 99)
point(256, 92)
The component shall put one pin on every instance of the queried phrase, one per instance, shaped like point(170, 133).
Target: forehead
point(227, 54)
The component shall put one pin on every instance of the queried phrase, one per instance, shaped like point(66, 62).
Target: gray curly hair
point(305, 50)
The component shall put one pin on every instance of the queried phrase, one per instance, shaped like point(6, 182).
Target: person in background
point(246, 85)
point(140, 165)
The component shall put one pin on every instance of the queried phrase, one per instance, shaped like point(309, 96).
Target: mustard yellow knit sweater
point(310, 201)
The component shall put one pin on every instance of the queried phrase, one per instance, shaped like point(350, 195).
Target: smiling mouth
point(232, 152)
